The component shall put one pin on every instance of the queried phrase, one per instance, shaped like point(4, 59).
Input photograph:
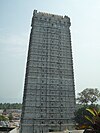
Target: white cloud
point(13, 44)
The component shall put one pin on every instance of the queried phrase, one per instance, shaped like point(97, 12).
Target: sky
point(15, 25)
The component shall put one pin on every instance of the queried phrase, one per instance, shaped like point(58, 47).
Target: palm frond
point(95, 111)
point(91, 111)
point(89, 119)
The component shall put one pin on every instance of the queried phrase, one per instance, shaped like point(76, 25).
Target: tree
point(95, 120)
point(92, 120)
point(79, 116)
point(10, 117)
point(3, 118)
point(10, 105)
point(81, 112)
point(88, 95)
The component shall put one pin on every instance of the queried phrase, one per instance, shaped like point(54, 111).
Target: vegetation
point(10, 117)
point(10, 105)
point(93, 118)
point(88, 96)
point(81, 112)
point(3, 118)
point(87, 115)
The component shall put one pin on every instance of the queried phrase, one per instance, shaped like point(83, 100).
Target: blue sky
point(15, 25)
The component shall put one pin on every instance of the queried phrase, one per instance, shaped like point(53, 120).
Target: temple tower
point(49, 92)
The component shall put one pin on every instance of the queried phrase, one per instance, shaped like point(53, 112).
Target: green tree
point(10, 117)
point(3, 118)
point(10, 105)
point(92, 125)
point(81, 112)
point(94, 120)
point(88, 96)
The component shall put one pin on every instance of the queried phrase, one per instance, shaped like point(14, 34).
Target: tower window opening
point(51, 116)
point(42, 122)
point(52, 122)
point(61, 116)
point(42, 104)
point(42, 81)
point(52, 98)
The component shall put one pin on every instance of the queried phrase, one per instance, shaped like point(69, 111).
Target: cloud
point(13, 44)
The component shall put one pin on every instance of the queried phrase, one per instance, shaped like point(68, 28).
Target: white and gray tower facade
point(49, 92)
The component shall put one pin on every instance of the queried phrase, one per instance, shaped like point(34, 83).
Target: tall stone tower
point(49, 93)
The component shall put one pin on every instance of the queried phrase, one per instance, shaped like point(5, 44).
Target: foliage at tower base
point(92, 123)
point(81, 112)
point(84, 115)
